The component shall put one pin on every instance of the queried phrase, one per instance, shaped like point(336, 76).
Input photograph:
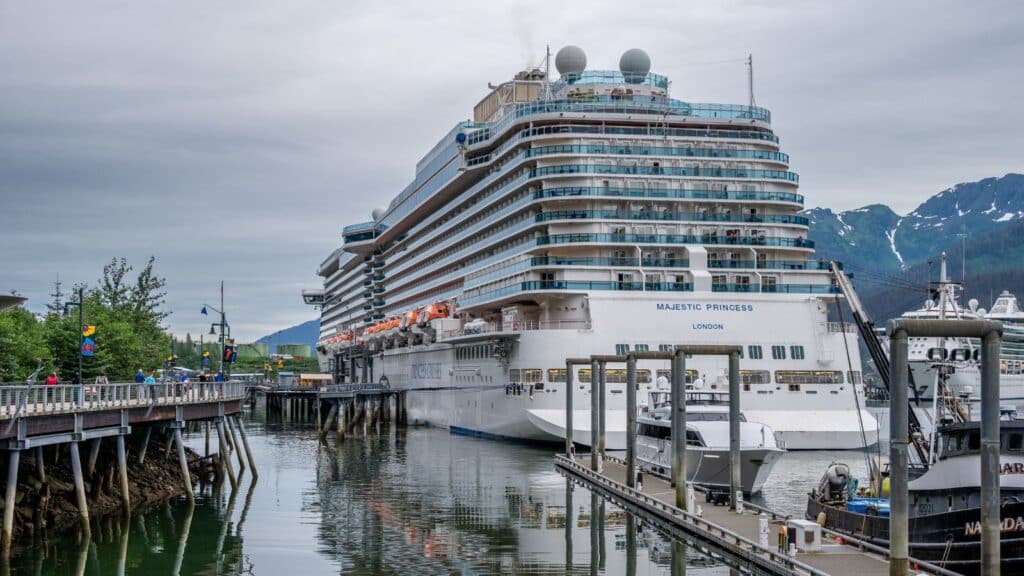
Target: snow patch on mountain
point(891, 234)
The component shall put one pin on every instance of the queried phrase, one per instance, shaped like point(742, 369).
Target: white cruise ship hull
point(477, 397)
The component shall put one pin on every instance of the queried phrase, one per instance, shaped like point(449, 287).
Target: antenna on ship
point(547, 72)
point(750, 78)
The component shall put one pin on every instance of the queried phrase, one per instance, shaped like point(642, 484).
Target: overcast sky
point(233, 140)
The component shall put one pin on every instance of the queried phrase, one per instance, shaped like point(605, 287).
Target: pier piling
point(990, 516)
point(595, 457)
point(602, 399)
point(13, 458)
point(40, 464)
point(76, 471)
point(94, 452)
point(631, 430)
point(679, 427)
point(330, 420)
point(245, 444)
point(225, 456)
point(145, 444)
point(186, 476)
point(898, 516)
point(122, 468)
point(735, 482)
point(234, 442)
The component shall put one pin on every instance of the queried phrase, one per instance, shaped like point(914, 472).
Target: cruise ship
point(956, 359)
point(592, 214)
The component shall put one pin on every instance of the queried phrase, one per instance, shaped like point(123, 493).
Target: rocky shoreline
point(51, 505)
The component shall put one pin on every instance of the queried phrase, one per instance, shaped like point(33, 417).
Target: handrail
point(42, 400)
point(766, 557)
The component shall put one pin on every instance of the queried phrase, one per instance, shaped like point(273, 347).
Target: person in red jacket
point(51, 380)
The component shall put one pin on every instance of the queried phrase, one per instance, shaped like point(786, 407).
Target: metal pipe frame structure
point(991, 333)
point(570, 363)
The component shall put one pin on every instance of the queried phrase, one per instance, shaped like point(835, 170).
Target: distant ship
point(959, 361)
point(593, 214)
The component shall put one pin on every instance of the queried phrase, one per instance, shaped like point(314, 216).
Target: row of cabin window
point(643, 376)
point(755, 352)
point(473, 352)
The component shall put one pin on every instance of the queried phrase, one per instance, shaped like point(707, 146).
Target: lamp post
point(81, 326)
point(223, 323)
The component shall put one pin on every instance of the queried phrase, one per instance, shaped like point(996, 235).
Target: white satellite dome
point(634, 65)
point(973, 304)
point(571, 60)
point(377, 214)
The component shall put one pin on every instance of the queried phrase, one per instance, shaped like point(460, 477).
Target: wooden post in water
point(76, 471)
point(94, 452)
point(186, 476)
point(122, 466)
point(13, 458)
point(245, 444)
point(341, 424)
point(224, 456)
point(145, 444)
point(234, 442)
point(41, 464)
point(330, 420)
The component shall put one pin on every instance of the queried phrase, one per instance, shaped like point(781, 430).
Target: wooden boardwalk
point(736, 533)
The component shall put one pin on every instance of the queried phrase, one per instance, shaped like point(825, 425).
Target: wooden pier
point(351, 407)
point(36, 417)
point(723, 531)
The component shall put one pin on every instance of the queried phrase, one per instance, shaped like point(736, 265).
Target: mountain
point(305, 333)
point(889, 254)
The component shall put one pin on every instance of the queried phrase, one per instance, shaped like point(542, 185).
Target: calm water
point(414, 502)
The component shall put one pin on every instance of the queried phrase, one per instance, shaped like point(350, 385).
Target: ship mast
point(750, 79)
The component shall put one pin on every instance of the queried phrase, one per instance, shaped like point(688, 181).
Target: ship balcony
point(368, 319)
point(378, 277)
point(378, 290)
point(367, 307)
point(707, 239)
point(378, 264)
point(378, 303)
point(378, 316)
point(367, 283)
point(541, 261)
point(368, 295)
point(772, 264)
point(667, 216)
point(368, 270)
point(704, 194)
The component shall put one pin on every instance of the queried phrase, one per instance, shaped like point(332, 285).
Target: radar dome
point(377, 214)
point(571, 60)
point(973, 304)
point(634, 65)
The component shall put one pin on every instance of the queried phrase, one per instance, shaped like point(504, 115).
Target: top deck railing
point(41, 400)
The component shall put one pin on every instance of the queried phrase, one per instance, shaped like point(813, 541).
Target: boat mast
point(750, 80)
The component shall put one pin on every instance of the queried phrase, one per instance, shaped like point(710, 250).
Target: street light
point(81, 326)
point(223, 323)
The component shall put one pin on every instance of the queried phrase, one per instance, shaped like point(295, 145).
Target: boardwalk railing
point(38, 399)
point(353, 388)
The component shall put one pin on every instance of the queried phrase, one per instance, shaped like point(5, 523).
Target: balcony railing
point(771, 264)
point(703, 194)
point(753, 173)
point(519, 326)
point(673, 239)
point(671, 216)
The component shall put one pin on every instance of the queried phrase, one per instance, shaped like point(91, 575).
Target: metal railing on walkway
point(40, 399)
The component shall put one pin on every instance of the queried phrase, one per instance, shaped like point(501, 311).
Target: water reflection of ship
point(408, 500)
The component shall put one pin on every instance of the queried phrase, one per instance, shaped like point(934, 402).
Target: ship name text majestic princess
point(590, 215)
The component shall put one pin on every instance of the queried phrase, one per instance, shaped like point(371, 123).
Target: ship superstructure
point(590, 215)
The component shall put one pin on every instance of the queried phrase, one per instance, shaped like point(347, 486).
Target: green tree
point(22, 345)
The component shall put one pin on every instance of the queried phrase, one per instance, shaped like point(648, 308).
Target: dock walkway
point(732, 533)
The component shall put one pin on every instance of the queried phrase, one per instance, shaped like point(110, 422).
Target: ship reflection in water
point(413, 502)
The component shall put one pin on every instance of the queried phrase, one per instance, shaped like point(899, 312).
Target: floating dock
point(722, 531)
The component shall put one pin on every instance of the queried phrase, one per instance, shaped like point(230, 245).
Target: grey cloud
point(236, 142)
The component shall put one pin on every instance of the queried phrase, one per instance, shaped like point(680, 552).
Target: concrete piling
point(602, 412)
point(225, 456)
point(94, 452)
point(122, 467)
point(990, 515)
point(330, 420)
point(41, 464)
point(898, 429)
point(13, 458)
point(569, 368)
point(234, 442)
point(186, 476)
point(76, 471)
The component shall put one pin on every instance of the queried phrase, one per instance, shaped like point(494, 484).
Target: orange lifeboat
point(434, 311)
